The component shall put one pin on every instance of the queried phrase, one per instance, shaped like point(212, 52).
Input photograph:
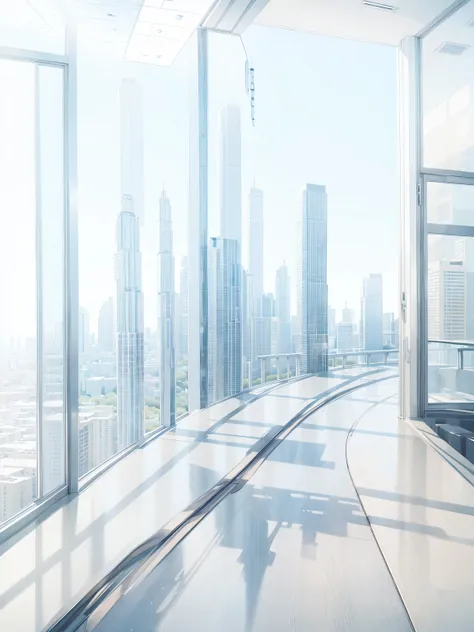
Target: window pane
point(309, 194)
point(229, 132)
point(448, 89)
point(51, 199)
point(133, 165)
point(450, 286)
point(18, 339)
point(450, 203)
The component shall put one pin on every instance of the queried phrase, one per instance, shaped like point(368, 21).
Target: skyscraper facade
point(344, 336)
point(262, 327)
point(225, 342)
point(247, 322)
point(130, 360)
point(312, 281)
point(446, 301)
point(371, 313)
point(283, 309)
point(225, 326)
point(256, 246)
point(166, 314)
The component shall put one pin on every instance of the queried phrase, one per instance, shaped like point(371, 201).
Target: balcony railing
point(463, 346)
point(381, 356)
point(287, 357)
point(377, 356)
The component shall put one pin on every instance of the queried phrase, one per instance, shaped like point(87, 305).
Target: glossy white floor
point(290, 552)
point(419, 496)
point(54, 564)
point(293, 550)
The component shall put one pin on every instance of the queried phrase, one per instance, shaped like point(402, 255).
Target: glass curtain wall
point(296, 178)
point(133, 173)
point(448, 175)
point(32, 419)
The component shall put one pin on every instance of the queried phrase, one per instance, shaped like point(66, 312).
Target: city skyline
point(133, 368)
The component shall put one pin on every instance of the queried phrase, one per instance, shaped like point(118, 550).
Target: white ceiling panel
point(351, 19)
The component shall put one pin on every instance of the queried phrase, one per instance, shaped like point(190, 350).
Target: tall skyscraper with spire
point(166, 314)
point(312, 281)
point(128, 272)
point(225, 327)
point(130, 360)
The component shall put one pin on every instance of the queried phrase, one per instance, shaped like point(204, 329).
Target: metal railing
point(278, 357)
point(463, 347)
point(368, 355)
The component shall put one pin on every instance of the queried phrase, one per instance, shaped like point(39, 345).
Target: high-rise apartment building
point(347, 314)
point(166, 314)
point(262, 328)
point(312, 280)
point(256, 246)
point(130, 358)
point(283, 309)
point(106, 326)
point(371, 313)
point(344, 336)
point(225, 343)
point(446, 301)
point(464, 251)
point(225, 324)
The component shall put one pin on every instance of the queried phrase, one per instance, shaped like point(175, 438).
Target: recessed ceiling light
point(379, 5)
point(451, 48)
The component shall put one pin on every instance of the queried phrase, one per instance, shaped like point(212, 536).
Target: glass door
point(448, 311)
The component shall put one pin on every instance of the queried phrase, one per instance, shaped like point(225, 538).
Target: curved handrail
point(144, 558)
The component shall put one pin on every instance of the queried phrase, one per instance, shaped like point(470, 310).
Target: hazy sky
point(325, 113)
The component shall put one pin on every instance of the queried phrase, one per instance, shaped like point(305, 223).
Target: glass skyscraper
point(225, 326)
point(130, 360)
point(312, 280)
